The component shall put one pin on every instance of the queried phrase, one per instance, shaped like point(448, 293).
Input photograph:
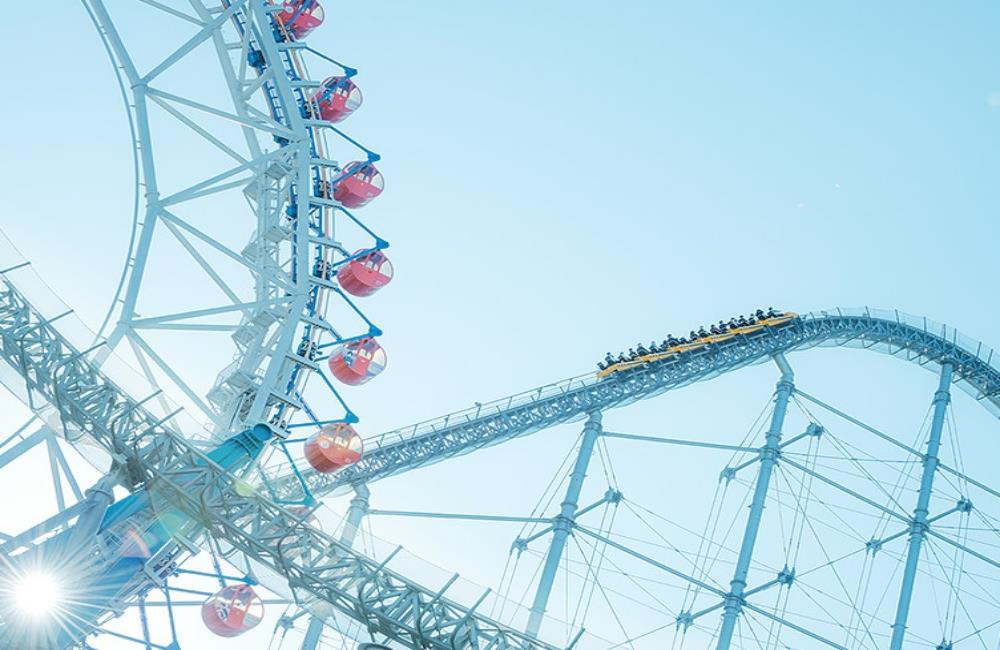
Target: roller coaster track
point(60, 382)
point(67, 387)
point(911, 338)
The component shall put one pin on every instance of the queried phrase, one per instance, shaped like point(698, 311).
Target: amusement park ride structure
point(246, 492)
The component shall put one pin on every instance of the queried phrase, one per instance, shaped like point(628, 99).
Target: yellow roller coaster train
point(781, 318)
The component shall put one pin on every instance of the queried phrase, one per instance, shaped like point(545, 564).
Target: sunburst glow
point(37, 594)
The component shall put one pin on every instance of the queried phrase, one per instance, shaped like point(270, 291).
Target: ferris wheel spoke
point(255, 119)
point(144, 351)
point(174, 12)
point(200, 37)
point(152, 322)
point(215, 185)
point(166, 215)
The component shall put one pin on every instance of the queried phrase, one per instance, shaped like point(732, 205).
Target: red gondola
point(233, 610)
point(356, 362)
point(299, 17)
point(337, 98)
point(365, 275)
point(333, 447)
point(361, 183)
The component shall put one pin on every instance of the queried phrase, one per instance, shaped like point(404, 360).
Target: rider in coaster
point(641, 350)
point(760, 314)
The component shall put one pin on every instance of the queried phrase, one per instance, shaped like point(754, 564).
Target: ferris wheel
point(245, 242)
point(811, 527)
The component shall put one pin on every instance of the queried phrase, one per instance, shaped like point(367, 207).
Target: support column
point(564, 522)
point(352, 524)
point(918, 526)
point(733, 603)
point(99, 497)
point(355, 513)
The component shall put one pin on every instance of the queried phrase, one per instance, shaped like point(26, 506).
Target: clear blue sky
point(564, 179)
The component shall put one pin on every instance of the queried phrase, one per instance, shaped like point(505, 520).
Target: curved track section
point(66, 387)
point(910, 338)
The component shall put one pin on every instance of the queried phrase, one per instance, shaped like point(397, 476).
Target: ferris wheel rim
point(136, 185)
point(262, 366)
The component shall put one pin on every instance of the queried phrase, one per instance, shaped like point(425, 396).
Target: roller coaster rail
point(274, 307)
point(915, 339)
point(61, 383)
point(65, 385)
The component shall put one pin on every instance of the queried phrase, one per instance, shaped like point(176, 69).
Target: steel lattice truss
point(66, 383)
point(908, 338)
point(161, 461)
point(279, 326)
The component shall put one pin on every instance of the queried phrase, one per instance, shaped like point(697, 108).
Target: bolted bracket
point(786, 576)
